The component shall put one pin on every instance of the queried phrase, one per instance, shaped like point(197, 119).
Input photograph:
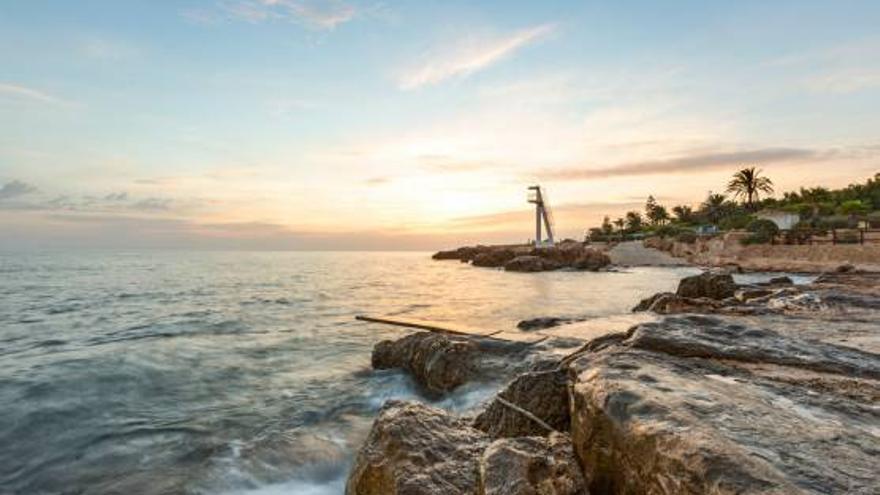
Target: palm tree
point(749, 184)
point(683, 213)
point(620, 223)
point(715, 207)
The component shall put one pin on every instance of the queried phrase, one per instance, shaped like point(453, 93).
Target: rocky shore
point(523, 258)
point(765, 388)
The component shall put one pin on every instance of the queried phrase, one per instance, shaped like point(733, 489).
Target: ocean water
point(230, 372)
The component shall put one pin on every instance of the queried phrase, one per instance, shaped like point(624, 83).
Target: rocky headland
point(524, 258)
point(766, 388)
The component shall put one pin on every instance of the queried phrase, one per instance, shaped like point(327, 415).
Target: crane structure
point(543, 216)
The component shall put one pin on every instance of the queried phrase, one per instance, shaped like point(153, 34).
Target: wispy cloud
point(313, 13)
point(24, 92)
point(470, 57)
point(690, 163)
point(15, 188)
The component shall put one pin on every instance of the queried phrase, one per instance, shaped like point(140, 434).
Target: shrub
point(665, 231)
point(687, 237)
point(737, 221)
point(801, 233)
point(763, 231)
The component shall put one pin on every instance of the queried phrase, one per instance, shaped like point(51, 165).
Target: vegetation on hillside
point(750, 191)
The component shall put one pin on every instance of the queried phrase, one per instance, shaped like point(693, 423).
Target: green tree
point(714, 208)
point(853, 208)
point(655, 212)
point(607, 228)
point(814, 197)
point(633, 221)
point(748, 184)
point(683, 213)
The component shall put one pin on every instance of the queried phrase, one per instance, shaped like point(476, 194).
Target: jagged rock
point(494, 258)
point(665, 303)
point(696, 405)
point(646, 303)
point(531, 466)
point(796, 302)
point(542, 322)
point(414, 449)
point(711, 285)
point(530, 263)
point(542, 393)
point(744, 295)
point(437, 362)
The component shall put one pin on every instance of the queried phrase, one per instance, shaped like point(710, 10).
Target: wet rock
point(781, 281)
point(544, 394)
point(437, 362)
point(710, 285)
point(744, 295)
point(494, 258)
point(414, 449)
point(845, 268)
point(665, 303)
point(797, 302)
point(531, 466)
point(646, 303)
point(699, 405)
point(531, 263)
point(543, 322)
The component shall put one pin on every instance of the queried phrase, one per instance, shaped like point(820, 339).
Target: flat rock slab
point(703, 336)
point(692, 406)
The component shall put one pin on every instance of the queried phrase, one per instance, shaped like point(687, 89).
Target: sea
point(164, 372)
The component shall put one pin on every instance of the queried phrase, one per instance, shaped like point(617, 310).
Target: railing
point(828, 236)
point(848, 236)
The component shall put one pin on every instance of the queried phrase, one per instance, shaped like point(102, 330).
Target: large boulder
point(543, 394)
point(437, 362)
point(414, 449)
point(711, 285)
point(531, 466)
point(699, 405)
point(529, 263)
point(592, 260)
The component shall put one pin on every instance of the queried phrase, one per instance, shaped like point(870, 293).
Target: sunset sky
point(300, 124)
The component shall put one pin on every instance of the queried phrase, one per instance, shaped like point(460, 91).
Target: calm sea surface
point(206, 372)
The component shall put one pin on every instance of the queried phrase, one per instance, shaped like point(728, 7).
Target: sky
point(306, 124)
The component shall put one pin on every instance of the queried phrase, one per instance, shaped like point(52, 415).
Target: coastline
point(726, 388)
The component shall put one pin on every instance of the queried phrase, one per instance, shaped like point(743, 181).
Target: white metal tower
point(543, 216)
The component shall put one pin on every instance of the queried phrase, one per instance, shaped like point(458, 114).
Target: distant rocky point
point(524, 258)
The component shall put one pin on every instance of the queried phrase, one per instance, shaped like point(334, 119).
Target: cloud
point(24, 92)
point(317, 14)
point(121, 196)
point(152, 204)
point(471, 57)
point(15, 188)
point(690, 163)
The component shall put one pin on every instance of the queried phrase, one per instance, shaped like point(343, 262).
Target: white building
point(785, 220)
